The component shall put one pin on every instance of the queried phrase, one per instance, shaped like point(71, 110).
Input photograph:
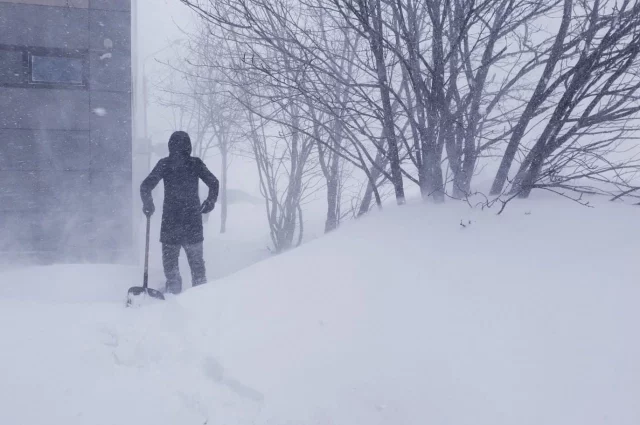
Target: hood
point(180, 144)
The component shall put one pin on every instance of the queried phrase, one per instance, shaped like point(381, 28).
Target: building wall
point(65, 150)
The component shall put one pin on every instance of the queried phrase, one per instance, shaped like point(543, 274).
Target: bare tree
point(205, 108)
point(599, 96)
point(536, 99)
point(273, 116)
point(431, 92)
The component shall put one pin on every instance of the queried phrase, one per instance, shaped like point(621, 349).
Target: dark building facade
point(65, 130)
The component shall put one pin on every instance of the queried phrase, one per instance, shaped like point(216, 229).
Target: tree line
point(462, 99)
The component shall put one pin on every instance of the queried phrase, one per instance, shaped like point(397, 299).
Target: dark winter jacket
point(181, 214)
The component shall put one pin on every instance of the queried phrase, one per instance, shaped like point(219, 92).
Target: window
point(49, 69)
point(39, 67)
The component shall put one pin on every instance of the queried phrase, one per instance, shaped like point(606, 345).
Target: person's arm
point(148, 185)
point(212, 183)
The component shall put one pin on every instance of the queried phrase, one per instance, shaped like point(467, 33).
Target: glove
point(148, 209)
point(207, 206)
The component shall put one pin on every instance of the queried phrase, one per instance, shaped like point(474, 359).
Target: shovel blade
point(138, 292)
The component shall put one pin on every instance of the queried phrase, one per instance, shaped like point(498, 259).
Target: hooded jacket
point(181, 217)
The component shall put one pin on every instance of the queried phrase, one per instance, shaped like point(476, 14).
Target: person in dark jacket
point(182, 212)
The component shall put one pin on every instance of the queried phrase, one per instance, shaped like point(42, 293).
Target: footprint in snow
point(215, 371)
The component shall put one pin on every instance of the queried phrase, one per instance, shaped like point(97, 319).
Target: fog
point(163, 26)
point(316, 212)
point(308, 116)
point(160, 23)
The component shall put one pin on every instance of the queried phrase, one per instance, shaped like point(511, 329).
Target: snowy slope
point(404, 317)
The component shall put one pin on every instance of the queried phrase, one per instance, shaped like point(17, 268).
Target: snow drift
point(404, 317)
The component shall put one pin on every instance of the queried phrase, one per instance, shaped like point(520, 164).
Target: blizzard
point(415, 315)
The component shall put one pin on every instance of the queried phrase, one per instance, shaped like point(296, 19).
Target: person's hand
point(148, 209)
point(207, 206)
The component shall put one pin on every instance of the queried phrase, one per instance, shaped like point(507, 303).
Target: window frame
point(56, 53)
point(27, 69)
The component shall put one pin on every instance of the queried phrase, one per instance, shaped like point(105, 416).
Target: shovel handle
point(145, 280)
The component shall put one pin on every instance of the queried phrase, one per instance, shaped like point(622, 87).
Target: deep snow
point(404, 317)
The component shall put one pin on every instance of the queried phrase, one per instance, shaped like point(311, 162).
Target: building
point(65, 130)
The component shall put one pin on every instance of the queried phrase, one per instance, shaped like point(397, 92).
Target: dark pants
point(170, 256)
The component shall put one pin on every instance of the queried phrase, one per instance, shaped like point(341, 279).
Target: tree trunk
point(372, 188)
point(333, 200)
point(376, 41)
point(432, 154)
point(223, 189)
point(536, 100)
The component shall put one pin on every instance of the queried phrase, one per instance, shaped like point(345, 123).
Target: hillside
point(404, 317)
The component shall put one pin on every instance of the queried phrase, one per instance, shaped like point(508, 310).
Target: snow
point(403, 317)
point(101, 112)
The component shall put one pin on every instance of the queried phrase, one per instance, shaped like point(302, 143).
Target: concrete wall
point(65, 151)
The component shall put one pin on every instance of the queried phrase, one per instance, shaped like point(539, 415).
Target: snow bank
point(405, 317)
point(69, 284)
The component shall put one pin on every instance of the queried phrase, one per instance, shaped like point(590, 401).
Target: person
point(182, 212)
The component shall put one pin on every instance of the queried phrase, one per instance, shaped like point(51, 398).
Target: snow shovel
point(144, 290)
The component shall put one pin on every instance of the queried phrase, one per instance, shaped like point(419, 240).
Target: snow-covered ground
point(404, 317)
